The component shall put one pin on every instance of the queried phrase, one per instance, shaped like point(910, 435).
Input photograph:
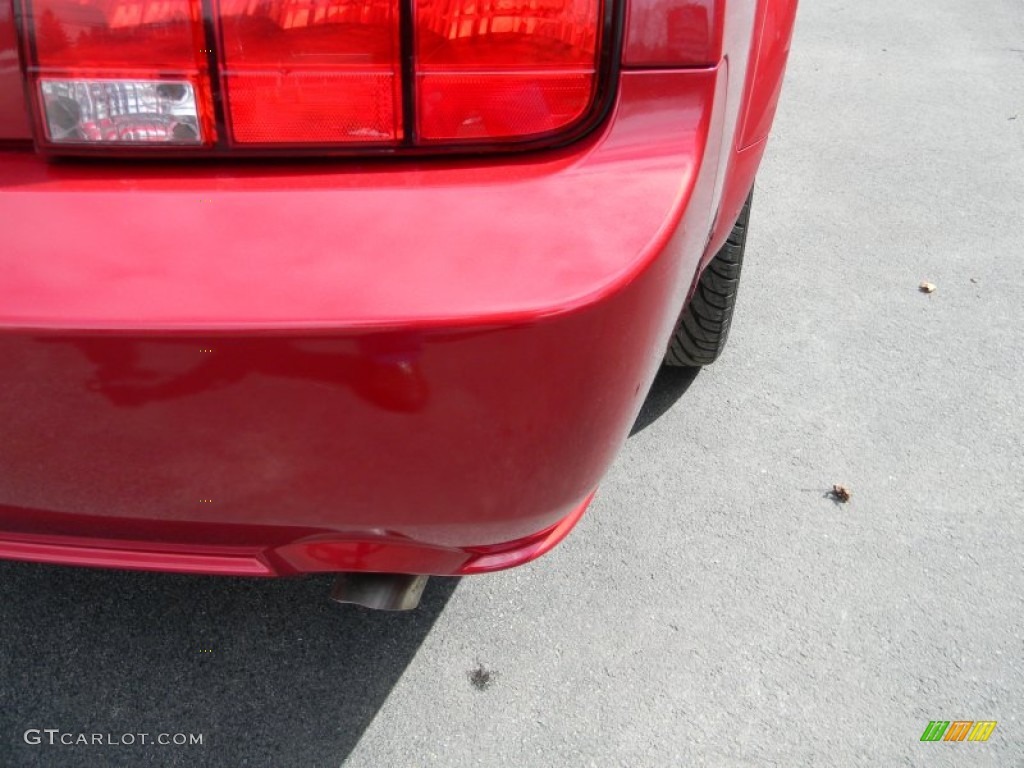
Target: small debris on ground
point(840, 493)
point(481, 677)
point(926, 287)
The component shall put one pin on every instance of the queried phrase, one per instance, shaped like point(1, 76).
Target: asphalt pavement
point(714, 607)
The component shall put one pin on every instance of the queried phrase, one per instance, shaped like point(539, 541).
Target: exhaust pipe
point(380, 591)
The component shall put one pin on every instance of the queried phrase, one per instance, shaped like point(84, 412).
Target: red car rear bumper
point(411, 367)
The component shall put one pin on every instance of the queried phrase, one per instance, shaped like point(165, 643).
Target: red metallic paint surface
point(308, 552)
point(754, 91)
point(13, 117)
point(411, 355)
point(738, 30)
point(662, 33)
point(264, 369)
point(778, 17)
point(197, 247)
point(143, 556)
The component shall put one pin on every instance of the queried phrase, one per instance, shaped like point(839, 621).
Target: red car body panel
point(769, 56)
point(417, 366)
point(754, 89)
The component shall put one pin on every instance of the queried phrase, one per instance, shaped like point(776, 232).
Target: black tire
point(703, 327)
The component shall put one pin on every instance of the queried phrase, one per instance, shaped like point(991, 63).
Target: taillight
point(296, 71)
point(310, 75)
point(108, 72)
point(498, 69)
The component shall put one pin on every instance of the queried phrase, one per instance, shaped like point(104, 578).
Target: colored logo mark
point(958, 730)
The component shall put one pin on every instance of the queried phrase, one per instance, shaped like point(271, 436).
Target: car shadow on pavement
point(669, 385)
point(270, 672)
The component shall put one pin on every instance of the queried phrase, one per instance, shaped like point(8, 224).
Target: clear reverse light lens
point(122, 111)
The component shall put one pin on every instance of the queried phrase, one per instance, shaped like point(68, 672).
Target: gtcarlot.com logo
point(959, 730)
point(56, 737)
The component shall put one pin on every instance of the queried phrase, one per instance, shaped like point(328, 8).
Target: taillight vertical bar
point(213, 67)
point(407, 50)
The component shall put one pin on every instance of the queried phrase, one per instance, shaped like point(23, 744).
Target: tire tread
point(703, 327)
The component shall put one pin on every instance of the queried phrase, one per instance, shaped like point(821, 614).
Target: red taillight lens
point(497, 69)
point(125, 34)
point(122, 71)
point(463, 106)
point(312, 71)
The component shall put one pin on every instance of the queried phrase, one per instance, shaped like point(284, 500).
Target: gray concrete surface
point(713, 608)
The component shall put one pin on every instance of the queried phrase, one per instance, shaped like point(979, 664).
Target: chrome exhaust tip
point(379, 591)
